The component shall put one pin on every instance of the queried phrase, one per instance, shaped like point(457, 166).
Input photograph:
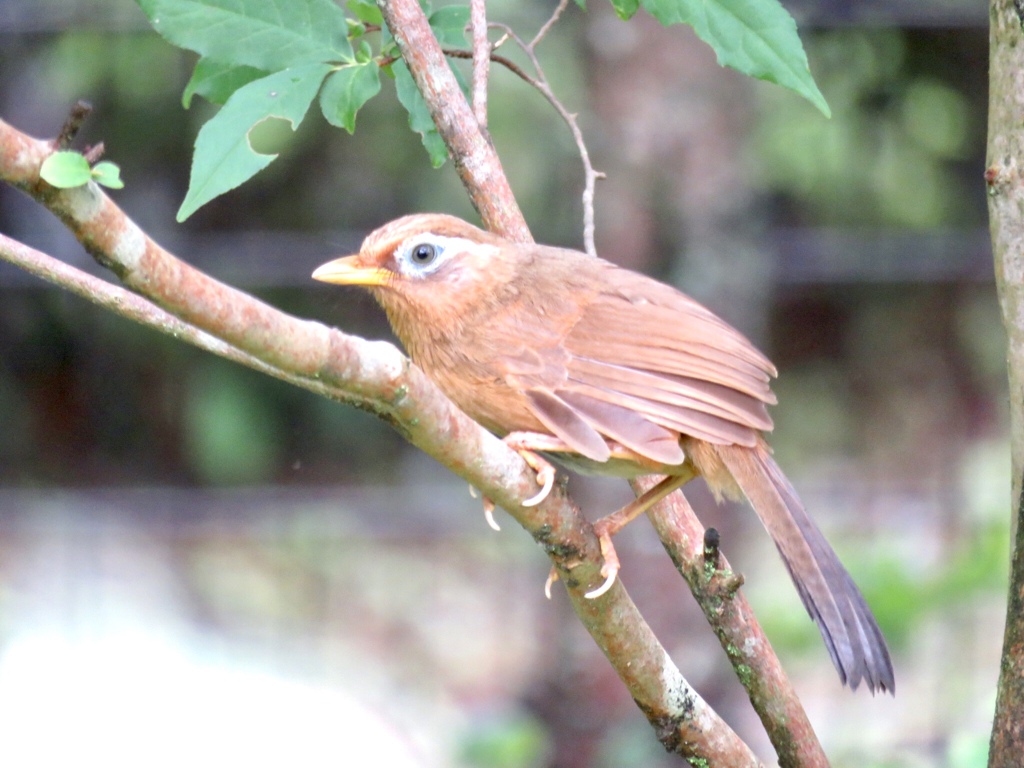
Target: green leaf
point(756, 37)
point(215, 81)
point(625, 9)
point(419, 116)
point(449, 25)
point(346, 90)
point(366, 11)
point(266, 34)
point(66, 169)
point(107, 174)
point(224, 157)
point(364, 53)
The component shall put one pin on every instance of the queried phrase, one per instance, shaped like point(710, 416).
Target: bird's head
point(428, 271)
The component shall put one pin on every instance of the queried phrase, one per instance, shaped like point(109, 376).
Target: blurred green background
point(201, 564)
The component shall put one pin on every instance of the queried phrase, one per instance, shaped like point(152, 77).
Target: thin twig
point(481, 59)
point(460, 53)
point(540, 82)
point(549, 23)
point(134, 307)
point(94, 153)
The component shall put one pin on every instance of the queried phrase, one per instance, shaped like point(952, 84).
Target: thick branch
point(1005, 178)
point(374, 375)
point(473, 155)
point(716, 588)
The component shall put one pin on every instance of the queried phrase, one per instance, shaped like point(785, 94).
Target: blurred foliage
point(892, 155)
point(233, 434)
point(510, 740)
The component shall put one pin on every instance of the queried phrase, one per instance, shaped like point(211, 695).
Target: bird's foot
point(489, 507)
point(610, 567)
point(489, 515)
point(526, 444)
point(552, 578)
point(608, 526)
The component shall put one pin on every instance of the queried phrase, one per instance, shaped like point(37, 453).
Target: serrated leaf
point(449, 25)
point(270, 34)
point(419, 116)
point(65, 169)
point(756, 37)
point(366, 11)
point(215, 81)
point(346, 90)
point(107, 174)
point(224, 157)
point(626, 9)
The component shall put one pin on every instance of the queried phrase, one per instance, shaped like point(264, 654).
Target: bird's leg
point(608, 526)
point(526, 444)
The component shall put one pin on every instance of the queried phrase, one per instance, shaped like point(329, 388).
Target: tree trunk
point(1006, 219)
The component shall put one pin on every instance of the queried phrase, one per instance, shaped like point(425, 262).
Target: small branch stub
point(711, 541)
point(73, 124)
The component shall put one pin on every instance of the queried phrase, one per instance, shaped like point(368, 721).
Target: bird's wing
point(641, 365)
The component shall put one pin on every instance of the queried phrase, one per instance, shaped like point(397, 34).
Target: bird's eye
point(423, 254)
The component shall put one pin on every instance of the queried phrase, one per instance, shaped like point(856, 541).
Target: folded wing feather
point(644, 364)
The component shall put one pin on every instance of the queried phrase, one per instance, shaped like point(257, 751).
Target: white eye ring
point(423, 254)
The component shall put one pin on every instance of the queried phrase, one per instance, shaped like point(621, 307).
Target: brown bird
point(608, 371)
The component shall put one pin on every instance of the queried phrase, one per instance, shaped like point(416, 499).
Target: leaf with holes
point(224, 157)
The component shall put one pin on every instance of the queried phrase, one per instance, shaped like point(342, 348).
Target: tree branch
point(715, 587)
point(474, 157)
point(540, 82)
point(377, 377)
point(481, 59)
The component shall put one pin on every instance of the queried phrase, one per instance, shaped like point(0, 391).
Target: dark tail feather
point(847, 626)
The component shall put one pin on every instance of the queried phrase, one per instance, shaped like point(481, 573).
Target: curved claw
point(608, 582)
point(489, 515)
point(546, 479)
point(611, 566)
point(551, 579)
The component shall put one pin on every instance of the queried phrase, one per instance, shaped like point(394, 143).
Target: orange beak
point(347, 271)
